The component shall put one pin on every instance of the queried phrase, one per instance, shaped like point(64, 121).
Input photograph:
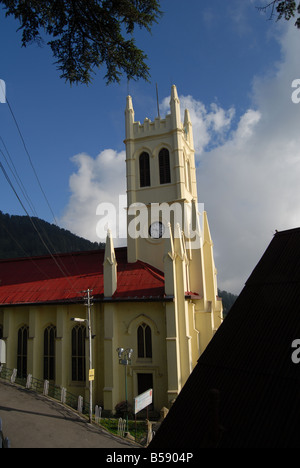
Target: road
point(34, 421)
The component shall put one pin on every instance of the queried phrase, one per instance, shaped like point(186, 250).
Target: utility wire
point(25, 194)
point(16, 176)
point(24, 251)
point(34, 226)
point(24, 190)
point(30, 160)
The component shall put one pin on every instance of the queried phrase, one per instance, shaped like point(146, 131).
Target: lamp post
point(125, 360)
point(91, 377)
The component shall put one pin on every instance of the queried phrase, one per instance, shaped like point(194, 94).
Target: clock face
point(156, 230)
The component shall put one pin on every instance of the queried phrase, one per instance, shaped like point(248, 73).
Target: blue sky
point(233, 69)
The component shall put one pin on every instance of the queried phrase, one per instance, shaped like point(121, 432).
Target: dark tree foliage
point(18, 238)
point(228, 299)
point(85, 35)
point(283, 9)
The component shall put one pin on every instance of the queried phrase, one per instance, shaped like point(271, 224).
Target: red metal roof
point(64, 277)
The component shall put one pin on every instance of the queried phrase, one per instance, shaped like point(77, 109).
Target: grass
point(137, 430)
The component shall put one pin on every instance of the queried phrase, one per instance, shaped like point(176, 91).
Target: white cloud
point(250, 184)
point(210, 126)
point(96, 187)
point(248, 173)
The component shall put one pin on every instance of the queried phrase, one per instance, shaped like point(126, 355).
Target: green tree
point(18, 238)
point(84, 35)
point(283, 9)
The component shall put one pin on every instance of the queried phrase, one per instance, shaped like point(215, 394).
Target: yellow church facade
point(156, 297)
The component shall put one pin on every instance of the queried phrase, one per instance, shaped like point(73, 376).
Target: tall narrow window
point(144, 340)
point(78, 353)
point(22, 351)
point(1, 332)
point(144, 170)
point(49, 352)
point(164, 166)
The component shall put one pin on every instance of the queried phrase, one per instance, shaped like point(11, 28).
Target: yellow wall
point(114, 325)
point(180, 332)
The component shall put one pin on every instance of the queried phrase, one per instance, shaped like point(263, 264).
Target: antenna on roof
point(157, 101)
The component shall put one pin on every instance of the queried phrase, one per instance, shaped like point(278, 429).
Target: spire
point(206, 231)
point(174, 94)
point(129, 106)
point(188, 128)
point(169, 263)
point(181, 258)
point(175, 108)
point(209, 264)
point(178, 242)
point(109, 267)
point(169, 244)
point(129, 117)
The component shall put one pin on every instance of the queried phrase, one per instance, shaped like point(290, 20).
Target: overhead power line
point(26, 196)
point(16, 176)
point(30, 160)
point(35, 227)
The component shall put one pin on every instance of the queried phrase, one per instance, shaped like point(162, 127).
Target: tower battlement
point(157, 126)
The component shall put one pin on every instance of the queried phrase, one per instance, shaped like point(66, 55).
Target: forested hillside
point(18, 238)
point(228, 299)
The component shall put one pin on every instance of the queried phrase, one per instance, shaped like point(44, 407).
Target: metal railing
point(46, 388)
point(55, 392)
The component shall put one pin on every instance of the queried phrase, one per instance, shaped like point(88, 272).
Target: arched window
point(144, 170)
point(78, 353)
point(49, 352)
point(144, 339)
point(164, 166)
point(22, 351)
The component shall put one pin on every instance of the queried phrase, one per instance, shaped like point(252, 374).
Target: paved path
point(34, 421)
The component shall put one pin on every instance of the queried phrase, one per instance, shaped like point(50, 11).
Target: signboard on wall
point(143, 400)
point(2, 352)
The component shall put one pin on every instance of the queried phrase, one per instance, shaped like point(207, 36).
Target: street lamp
point(91, 376)
point(125, 360)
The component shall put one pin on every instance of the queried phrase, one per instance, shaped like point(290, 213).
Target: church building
point(156, 297)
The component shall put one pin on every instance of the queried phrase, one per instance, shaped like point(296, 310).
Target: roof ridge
point(287, 231)
point(152, 270)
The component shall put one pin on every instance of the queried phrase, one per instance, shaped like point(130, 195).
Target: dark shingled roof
point(245, 389)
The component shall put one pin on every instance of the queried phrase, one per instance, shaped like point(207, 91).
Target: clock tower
point(161, 181)
point(163, 231)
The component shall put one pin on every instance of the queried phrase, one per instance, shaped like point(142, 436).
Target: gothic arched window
point(144, 339)
point(49, 352)
point(164, 166)
point(144, 170)
point(78, 353)
point(22, 351)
